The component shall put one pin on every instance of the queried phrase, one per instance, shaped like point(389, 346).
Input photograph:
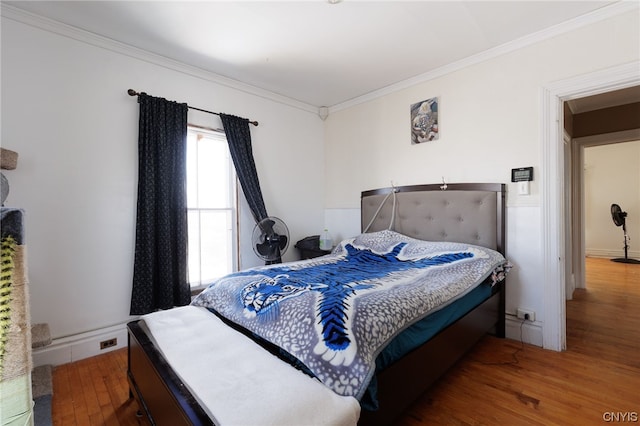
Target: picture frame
point(424, 121)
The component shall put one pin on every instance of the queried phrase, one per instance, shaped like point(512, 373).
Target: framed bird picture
point(424, 121)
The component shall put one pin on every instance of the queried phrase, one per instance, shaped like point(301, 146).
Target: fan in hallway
point(620, 219)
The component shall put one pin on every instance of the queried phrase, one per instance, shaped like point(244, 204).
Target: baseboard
point(85, 345)
point(528, 331)
point(80, 346)
point(591, 252)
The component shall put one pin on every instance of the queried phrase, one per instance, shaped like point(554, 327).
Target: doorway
point(605, 108)
point(556, 219)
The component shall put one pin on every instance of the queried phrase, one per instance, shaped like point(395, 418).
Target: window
point(211, 207)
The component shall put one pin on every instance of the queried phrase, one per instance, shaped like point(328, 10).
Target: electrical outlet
point(108, 343)
point(526, 314)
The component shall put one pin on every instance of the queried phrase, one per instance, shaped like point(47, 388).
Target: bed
point(458, 215)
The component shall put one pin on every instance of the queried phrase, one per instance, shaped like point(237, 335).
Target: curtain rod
point(132, 92)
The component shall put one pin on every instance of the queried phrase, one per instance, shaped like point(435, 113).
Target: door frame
point(554, 193)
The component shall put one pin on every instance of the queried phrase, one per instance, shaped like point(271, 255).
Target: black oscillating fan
point(620, 219)
point(270, 239)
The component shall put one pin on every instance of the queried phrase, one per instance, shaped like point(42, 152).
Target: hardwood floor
point(93, 391)
point(598, 374)
point(500, 382)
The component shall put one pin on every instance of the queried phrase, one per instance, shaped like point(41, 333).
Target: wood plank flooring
point(500, 382)
point(599, 373)
point(93, 391)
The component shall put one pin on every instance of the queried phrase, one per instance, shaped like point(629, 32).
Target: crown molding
point(562, 28)
point(56, 27)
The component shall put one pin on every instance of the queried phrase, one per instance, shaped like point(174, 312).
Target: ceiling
point(315, 52)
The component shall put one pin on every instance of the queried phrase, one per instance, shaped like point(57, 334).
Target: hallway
point(603, 320)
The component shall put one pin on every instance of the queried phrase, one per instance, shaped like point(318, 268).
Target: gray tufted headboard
point(471, 213)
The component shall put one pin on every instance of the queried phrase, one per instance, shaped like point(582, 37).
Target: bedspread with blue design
point(336, 313)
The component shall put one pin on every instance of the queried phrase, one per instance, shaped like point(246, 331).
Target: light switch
point(523, 188)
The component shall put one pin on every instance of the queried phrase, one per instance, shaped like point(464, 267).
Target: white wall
point(490, 121)
point(66, 112)
point(612, 175)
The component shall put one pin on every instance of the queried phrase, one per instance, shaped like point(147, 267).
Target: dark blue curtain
point(239, 139)
point(160, 264)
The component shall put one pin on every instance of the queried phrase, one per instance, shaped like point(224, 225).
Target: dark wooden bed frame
point(165, 400)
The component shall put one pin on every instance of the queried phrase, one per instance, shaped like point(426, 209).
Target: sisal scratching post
point(15, 363)
point(17, 357)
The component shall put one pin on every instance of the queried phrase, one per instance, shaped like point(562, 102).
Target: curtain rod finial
point(132, 92)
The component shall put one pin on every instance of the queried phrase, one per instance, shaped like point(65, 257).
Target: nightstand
point(311, 253)
point(308, 248)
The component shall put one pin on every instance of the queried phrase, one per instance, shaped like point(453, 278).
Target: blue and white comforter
point(336, 313)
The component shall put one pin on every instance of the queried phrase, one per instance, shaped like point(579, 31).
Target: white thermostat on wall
point(522, 176)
